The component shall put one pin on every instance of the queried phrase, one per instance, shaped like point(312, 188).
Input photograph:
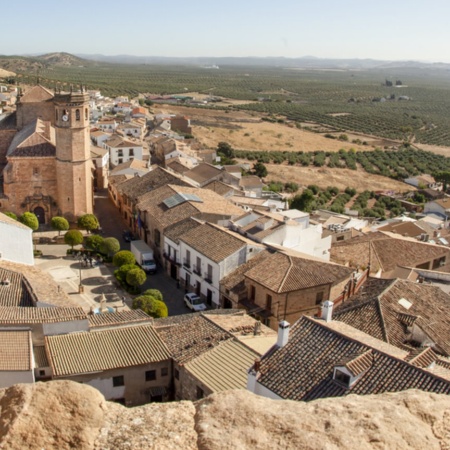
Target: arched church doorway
point(40, 214)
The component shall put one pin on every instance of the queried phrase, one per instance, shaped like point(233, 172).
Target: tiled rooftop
point(190, 337)
point(135, 316)
point(78, 353)
point(179, 229)
point(385, 251)
point(224, 367)
point(378, 311)
point(284, 273)
point(303, 368)
point(202, 173)
point(212, 242)
point(18, 292)
point(15, 350)
point(18, 315)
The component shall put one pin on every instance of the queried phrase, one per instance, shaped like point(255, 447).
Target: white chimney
point(283, 333)
point(327, 311)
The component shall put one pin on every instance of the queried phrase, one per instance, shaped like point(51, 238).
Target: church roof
point(36, 94)
point(32, 140)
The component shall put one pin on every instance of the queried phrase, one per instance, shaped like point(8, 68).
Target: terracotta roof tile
point(78, 353)
point(378, 311)
point(134, 316)
point(202, 173)
point(190, 337)
point(19, 315)
point(283, 273)
point(179, 229)
point(303, 368)
point(15, 351)
point(214, 243)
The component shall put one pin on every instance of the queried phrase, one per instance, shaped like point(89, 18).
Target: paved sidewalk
point(68, 271)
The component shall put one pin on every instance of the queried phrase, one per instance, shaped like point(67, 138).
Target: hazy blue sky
point(380, 29)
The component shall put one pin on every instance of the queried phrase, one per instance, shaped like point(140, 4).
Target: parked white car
point(194, 302)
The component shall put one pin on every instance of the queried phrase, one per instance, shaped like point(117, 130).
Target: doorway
point(198, 287)
point(173, 271)
point(40, 214)
point(209, 297)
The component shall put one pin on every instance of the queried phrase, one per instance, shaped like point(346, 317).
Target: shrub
point(73, 237)
point(124, 257)
point(93, 242)
point(88, 222)
point(10, 214)
point(109, 246)
point(155, 294)
point(151, 306)
point(30, 220)
point(59, 224)
point(136, 277)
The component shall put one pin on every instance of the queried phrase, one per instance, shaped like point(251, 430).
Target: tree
point(151, 306)
point(60, 224)
point(10, 214)
point(444, 178)
point(155, 294)
point(136, 277)
point(73, 237)
point(109, 246)
point(88, 222)
point(93, 242)
point(303, 201)
point(30, 220)
point(123, 257)
point(260, 170)
point(225, 149)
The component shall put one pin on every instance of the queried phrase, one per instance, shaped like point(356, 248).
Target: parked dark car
point(127, 236)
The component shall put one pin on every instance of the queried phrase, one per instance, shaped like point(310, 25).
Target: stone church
point(45, 159)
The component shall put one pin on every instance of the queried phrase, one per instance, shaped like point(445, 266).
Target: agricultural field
point(414, 108)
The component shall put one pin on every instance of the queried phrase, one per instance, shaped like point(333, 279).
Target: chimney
point(283, 334)
point(257, 328)
point(327, 311)
point(252, 375)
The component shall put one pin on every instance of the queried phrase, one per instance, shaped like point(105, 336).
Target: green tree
point(30, 220)
point(109, 246)
point(260, 170)
point(124, 257)
point(314, 188)
point(73, 237)
point(304, 201)
point(151, 306)
point(444, 178)
point(141, 102)
point(10, 214)
point(225, 149)
point(136, 277)
point(155, 294)
point(59, 224)
point(88, 222)
point(291, 187)
point(93, 242)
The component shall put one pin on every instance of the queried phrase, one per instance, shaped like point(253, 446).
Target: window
point(210, 272)
point(120, 160)
point(200, 393)
point(131, 152)
point(42, 373)
point(342, 377)
point(340, 238)
point(86, 114)
point(35, 171)
point(119, 152)
point(118, 381)
point(252, 292)
point(188, 258)
point(157, 237)
point(77, 114)
point(319, 298)
point(268, 302)
point(164, 372)
point(177, 374)
point(150, 375)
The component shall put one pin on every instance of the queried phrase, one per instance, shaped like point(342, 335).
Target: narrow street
point(113, 225)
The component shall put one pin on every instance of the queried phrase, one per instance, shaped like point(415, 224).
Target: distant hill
point(32, 64)
point(36, 62)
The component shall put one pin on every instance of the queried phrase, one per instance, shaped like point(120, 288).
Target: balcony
point(208, 277)
point(173, 259)
point(187, 263)
point(197, 270)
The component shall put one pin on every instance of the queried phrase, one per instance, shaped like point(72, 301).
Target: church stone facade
point(47, 167)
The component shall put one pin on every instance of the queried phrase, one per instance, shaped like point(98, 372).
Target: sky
point(377, 29)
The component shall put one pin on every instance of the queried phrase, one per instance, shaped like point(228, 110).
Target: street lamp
point(80, 287)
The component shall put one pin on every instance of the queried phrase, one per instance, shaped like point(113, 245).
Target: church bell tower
point(73, 159)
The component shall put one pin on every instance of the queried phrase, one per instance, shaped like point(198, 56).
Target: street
point(113, 225)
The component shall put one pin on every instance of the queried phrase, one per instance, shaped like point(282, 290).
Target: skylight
point(405, 303)
point(180, 198)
